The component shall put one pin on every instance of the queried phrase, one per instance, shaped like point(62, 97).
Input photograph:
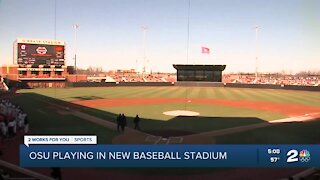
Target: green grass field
point(268, 95)
point(44, 120)
point(291, 133)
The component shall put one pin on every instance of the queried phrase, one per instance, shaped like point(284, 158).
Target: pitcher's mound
point(181, 113)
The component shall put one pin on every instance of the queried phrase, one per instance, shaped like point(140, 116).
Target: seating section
point(138, 77)
point(311, 80)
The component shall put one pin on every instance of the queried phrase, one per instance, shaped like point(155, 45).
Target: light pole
point(55, 37)
point(144, 28)
point(188, 30)
point(257, 39)
point(55, 19)
point(75, 27)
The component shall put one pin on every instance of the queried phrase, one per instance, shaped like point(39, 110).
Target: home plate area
point(161, 140)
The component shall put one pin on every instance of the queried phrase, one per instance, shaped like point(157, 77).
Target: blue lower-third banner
point(170, 156)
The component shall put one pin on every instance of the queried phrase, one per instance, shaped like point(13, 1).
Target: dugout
point(202, 73)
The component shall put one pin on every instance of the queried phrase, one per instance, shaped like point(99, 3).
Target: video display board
point(40, 54)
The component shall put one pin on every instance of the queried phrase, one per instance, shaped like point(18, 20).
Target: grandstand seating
point(272, 79)
point(136, 77)
point(109, 79)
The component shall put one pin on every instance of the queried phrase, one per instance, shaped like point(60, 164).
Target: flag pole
point(209, 55)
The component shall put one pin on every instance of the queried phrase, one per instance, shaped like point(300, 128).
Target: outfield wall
point(304, 88)
point(262, 86)
point(90, 84)
point(272, 86)
point(145, 84)
point(192, 84)
point(112, 84)
point(198, 84)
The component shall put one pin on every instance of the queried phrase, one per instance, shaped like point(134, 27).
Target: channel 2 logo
point(294, 156)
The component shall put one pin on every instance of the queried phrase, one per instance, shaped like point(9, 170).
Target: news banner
point(83, 151)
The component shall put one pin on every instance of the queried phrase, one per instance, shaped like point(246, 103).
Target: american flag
point(205, 50)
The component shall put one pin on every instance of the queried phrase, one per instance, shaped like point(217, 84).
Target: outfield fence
point(112, 84)
point(198, 84)
point(272, 86)
point(191, 84)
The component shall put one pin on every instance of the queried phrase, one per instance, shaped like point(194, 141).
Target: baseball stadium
point(43, 94)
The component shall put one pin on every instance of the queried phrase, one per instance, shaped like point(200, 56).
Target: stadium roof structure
point(199, 67)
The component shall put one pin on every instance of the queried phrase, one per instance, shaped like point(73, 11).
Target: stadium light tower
point(55, 19)
point(145, 29)
point(257, 44)
point(75, 27)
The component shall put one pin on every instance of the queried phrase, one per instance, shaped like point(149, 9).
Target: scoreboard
point(39, 52)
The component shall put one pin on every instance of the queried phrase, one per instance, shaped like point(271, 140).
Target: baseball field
point(226, 115)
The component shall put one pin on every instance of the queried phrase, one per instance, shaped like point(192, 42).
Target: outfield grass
point(268, 95)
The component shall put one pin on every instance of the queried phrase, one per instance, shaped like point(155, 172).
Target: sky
point(110, 33)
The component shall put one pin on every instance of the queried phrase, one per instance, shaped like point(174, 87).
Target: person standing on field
point(136, 122)
point(118, 122)
point(123, 122)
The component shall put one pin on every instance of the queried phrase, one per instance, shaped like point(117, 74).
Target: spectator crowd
point(138, 77)
point(12, 119)
point(273, 79)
